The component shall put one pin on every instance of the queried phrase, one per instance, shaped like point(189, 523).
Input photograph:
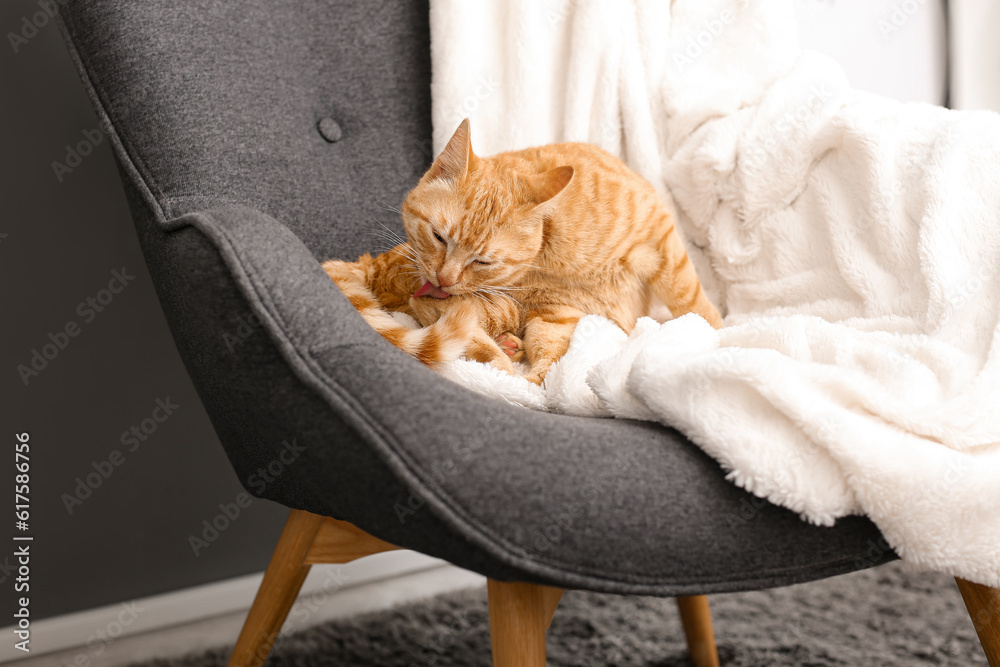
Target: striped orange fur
point(523, 244)
point(379, 286)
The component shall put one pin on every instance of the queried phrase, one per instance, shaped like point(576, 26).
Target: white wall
point(896, 48)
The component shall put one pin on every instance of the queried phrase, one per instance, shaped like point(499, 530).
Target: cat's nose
point(445, 281)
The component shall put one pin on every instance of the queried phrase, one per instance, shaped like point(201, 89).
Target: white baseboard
point(82, 631)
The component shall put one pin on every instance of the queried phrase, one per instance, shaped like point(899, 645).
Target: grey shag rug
point(884, 617)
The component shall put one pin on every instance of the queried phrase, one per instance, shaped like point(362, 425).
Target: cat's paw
point(534, 378)
point(511, 345)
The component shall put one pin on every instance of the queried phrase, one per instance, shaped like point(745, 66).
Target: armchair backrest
point(315, 112)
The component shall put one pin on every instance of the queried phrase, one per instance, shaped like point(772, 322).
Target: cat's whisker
point(495, 289)
point(388, 238)
point(388, 230)
point(509, 288)
point(494, 294)
point(383, 233)
point(481, 297)
point(408, 254)
point(389, 207)
point(377, 220)
point(384, 245)
point(407, 251)
point(387, 242)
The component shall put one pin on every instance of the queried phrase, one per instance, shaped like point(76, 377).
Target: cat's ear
point(548, 184)
point(457, 158)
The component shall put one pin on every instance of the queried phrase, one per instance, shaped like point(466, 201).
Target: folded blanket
point(852, 241)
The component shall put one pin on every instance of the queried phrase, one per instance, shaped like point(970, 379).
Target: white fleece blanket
point(853, 243)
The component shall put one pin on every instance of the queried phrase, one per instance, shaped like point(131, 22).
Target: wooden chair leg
point(307, 538)
point(282, 581)
point(519, 616)
point(696, 617)
point(983, 604)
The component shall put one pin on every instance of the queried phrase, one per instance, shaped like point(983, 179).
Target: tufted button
point(329, 129)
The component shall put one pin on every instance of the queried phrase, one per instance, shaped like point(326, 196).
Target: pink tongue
point(431, 289)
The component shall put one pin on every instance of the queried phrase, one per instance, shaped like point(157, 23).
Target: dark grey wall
point(63, 234)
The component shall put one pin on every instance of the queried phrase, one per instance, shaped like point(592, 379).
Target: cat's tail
point(441, 342)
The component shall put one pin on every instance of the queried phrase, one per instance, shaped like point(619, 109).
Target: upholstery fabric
point(215, 116)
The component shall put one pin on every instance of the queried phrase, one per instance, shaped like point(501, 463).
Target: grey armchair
point(256, 139)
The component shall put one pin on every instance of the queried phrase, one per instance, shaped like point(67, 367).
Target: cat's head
point(474, 222)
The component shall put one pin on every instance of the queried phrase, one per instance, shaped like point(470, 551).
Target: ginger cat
point(507, 253)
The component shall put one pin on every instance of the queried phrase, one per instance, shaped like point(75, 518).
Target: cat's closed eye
point(481, 262)
point(440, 238)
